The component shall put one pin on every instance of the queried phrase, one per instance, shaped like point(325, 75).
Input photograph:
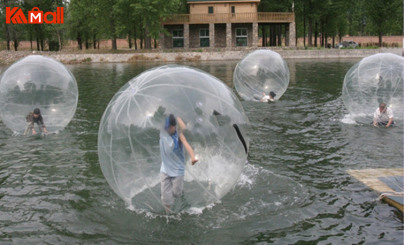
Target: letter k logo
point(18, 18)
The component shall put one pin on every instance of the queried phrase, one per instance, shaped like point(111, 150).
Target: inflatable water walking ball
point(129, 133)
point(375, 79)
point(37, 82)
point(261, 72)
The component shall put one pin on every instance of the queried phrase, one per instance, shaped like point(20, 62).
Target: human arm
point(375, 118)
point(44, 129)
point(263, 97)
point(181, 124)
point(375, 122)
point(42, 124)
point(390, 115)
point(389, 122)
point(188, 148)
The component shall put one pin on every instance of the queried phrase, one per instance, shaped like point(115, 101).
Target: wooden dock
point(388, 182)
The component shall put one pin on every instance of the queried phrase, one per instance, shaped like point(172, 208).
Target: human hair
point(37, 111)
point(170, 121)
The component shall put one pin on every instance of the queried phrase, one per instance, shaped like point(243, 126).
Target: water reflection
point(294, 189)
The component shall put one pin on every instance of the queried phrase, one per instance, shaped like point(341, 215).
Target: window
point(241, 37)
point(204, 37)
point(210, 9)
point(178, 38)
point(233, 9)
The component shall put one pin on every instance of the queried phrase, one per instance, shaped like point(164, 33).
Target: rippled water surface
point(295, 189)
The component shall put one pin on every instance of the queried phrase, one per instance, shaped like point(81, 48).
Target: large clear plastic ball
point(261, 72)
point(37, 82)
point(128, 137)
point(375, 79)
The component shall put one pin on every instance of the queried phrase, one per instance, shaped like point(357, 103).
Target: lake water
point(295, 189)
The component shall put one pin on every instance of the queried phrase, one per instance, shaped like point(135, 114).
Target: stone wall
point(220, 35)
point(7, 57)
point(194, 41)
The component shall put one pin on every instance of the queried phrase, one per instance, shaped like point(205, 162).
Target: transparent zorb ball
point(259, 73)
point(37, 82)
point(129, 133)
point(375, 79)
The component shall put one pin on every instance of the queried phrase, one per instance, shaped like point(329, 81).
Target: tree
point(151, 13)
point(383, 15)
point(50, 33)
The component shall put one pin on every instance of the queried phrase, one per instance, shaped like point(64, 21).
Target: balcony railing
point(260, 17)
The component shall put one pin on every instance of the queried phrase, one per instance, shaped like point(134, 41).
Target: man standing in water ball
point(383, 116)
point(172, 143)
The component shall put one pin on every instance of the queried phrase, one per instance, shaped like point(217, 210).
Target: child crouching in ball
point(32, 118)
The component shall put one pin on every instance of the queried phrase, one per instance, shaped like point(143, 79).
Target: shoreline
point(66, 57)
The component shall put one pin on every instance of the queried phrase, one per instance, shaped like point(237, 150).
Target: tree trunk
point(37, 43)
point(271, 35)
point(94, 40)
point(8, 37)
point(30, 40)
point(304, 26)
point(263, 36)
point(269, 40)
point(147, 44)
point(322, 34)
point(113, 33)
point(315, 34)
point(114, 46)
point(41, 40)
point(155, 43)
point(87, 43)
point(380, 39)
point(310, 33)
point(15, 39)
point(279, 35)
point(15, 45)
point(134, 36)
point(129, 40)
point(79, 42)
point(141, 39)
point(274, 36)
point(59, 40)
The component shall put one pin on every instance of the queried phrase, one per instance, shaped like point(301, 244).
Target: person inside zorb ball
point(261, 75)
point(373, 89)
point(173, 138)
point(37, 91)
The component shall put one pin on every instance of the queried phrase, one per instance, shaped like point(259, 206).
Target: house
point(226, 24)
